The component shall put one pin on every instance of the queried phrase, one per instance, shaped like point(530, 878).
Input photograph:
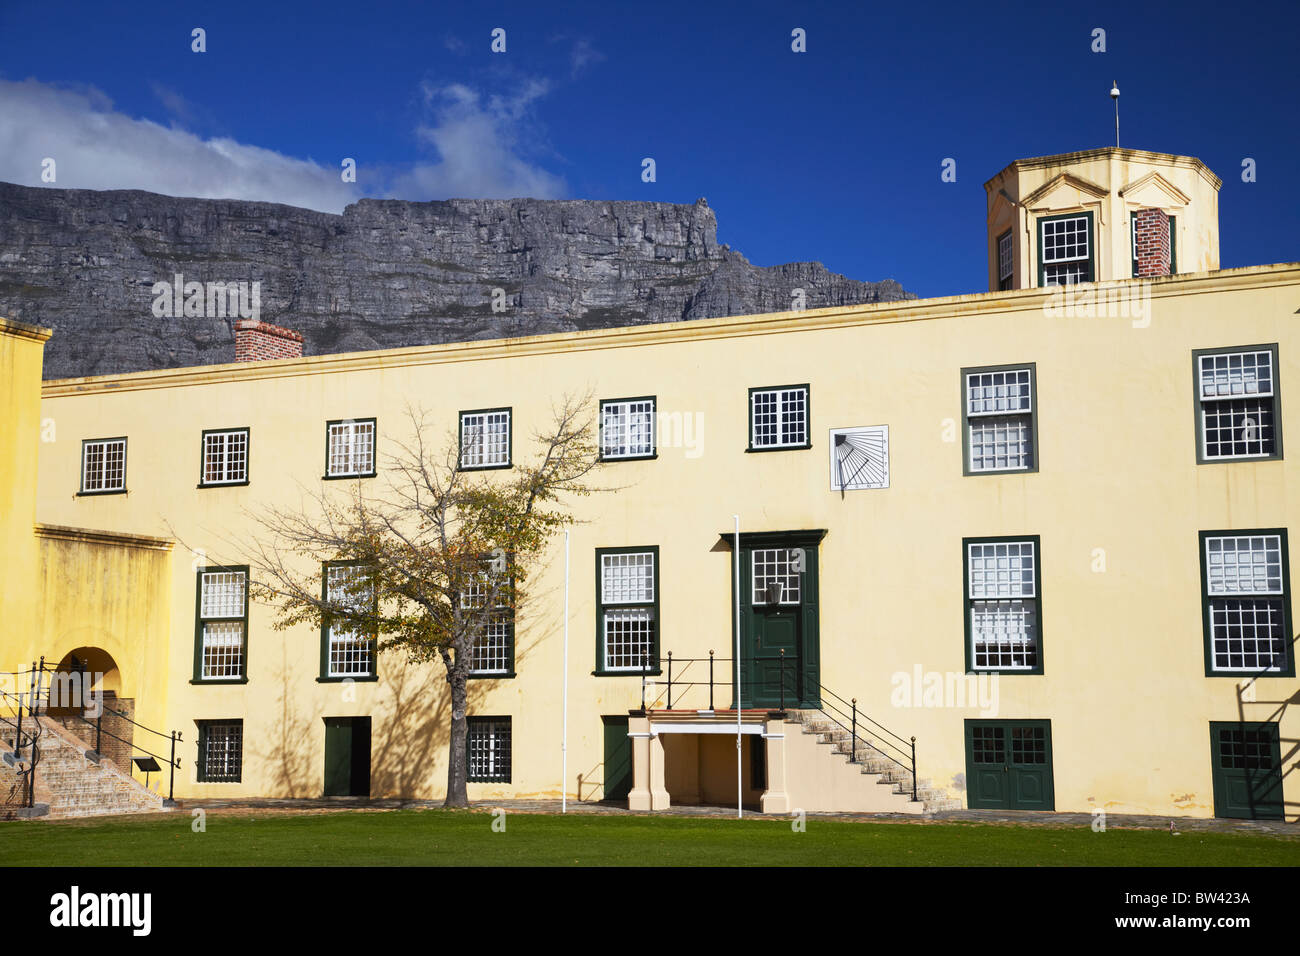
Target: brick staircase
point(874, 764)
point(72, 784)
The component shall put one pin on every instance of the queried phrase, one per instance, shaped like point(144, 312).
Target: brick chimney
point(1151, 240)
point(256, 341)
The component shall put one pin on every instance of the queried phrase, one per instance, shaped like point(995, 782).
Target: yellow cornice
point(1085, 155)
point(883, 313)
point(23, 330)
point(93, 536)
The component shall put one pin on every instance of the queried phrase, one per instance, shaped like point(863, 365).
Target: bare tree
point(431, 562)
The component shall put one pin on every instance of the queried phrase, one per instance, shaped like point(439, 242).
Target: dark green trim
point(81, 467)
point(374, 451)
point(509, 672)
point(1033, 419)
point(654, 428)
point(460, 438)
point(998, 278)
point(1273, 806)
point(807, 404)
point(198, 624)
point(601, 607)
point(1207, 642)
point(470, 722)
point(201, 740)
point(1092, 244)
point(248, 456)
point(1173, 243)
point(968, 601)
point(1199, 421)
point(325, 676)
point(973, 801)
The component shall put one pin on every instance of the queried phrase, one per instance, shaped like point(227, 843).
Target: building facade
point(1043, 530)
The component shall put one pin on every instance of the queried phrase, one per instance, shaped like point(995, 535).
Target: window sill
point(967, 473)
point(357, 679)
point(1012, 672)
point(603, 673)
point(502, 675)
point(752, 449)
point(485, 467)
point(1252, 673)
point(213, 682)
point(1238, 459)
point(222, 484)
point(370, 474)
point(617, 458)
point(100, 494)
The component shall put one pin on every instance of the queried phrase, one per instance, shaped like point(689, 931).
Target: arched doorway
point(83, 699)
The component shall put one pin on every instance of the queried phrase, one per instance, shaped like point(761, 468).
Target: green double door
point(1009, 765)
point(779, 640)
point(347, 757)
point(1247, 759)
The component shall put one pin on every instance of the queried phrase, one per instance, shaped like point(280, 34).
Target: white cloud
point(477, 139)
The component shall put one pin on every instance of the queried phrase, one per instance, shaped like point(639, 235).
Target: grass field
point(449, 838)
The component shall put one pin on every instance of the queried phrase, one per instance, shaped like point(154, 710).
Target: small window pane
point(627, 429)
point(1249, 564)
point(352, 448)
point(485, 439)
point(104, 465)
point(628, 578)
point(225, 457)
point(779, 418)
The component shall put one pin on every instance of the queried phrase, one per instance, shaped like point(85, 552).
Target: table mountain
point(383, 274)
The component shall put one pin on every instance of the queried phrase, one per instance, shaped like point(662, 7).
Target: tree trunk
point(458, 747)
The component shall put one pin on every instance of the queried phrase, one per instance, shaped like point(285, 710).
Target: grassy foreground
point(445, 838)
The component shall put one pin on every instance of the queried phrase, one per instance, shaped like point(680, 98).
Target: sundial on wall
point(859, 458)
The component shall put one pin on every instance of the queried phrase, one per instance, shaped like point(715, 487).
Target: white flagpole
point(564, 738)
point(735, 565)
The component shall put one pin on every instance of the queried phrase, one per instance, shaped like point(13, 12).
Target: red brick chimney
point(256, 340)
point(1151, 240)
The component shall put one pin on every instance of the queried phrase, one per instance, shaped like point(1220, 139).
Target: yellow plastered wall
point(1124, 682)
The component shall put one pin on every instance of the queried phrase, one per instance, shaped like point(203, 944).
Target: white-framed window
point(628, 609)
point(1247, 607)
point(1065, 249)
point(221, 751)
point(222, 623)
point(1238, 395)
point(225, 457)
point(627, 428)
point(349, 652)
point(351, 448)
point(776, 573)
point(1006, 260)
point(103, 466)
point(485, 438)
point(778, 417)
point(1002, 604)
point(999, 418)
point(493, 651)
point(489, 746)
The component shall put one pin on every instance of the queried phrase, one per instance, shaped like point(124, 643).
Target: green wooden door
point(1009, 765)
point(1247, 770)
point(618, 759)
point(779, 639)
point(347, 757)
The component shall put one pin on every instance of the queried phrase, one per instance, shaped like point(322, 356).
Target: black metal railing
point(40, 695)
point(24, 739)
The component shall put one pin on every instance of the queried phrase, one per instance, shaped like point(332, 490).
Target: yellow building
point(1042, 531)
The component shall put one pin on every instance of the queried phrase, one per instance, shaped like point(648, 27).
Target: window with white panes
point(1003, 620)
point(222, 637)
point(348, 651)
point(351, 448)
point(1247, 605)
point(489, 744)
point(776, 574)
point(778, 418)
point(103, 466)
point(627, 428)
point(221, 751)
point(485, 439)
point(493, 651)
point(627, 610)
point(1065, 249)
point(1006, 264)
point(999, 419)
point(225, 457)
point(1237, 390)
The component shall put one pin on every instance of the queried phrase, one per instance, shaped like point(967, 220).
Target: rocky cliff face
point(385, 273)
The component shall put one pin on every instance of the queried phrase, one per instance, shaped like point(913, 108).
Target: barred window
point(1064, 246)
point(1002, 604)
point(1247, 605)
point(351, 448)
point(773, 568)
point(221, 751)
point(222, 623)
point(627, 611)
point(225, 457)
point(1006, 262)
point(485, 438)
point(103, 465)
point(999, 417)
point(778, 417)
point(349, 652)
point(627, 428)
point(1238, 395)
point(489, 749)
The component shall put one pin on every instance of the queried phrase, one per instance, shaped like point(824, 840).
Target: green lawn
point(437, 838)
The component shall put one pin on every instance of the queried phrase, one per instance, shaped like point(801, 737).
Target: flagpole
point(735, 570)
point(564, 738)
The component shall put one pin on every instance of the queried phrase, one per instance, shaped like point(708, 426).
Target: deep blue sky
point(832, 155)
